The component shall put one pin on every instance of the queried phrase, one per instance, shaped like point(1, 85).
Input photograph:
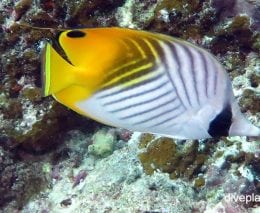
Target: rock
point(103, 144)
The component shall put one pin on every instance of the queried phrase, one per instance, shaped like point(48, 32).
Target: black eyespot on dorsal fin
point(220, 125)
point(76, 34)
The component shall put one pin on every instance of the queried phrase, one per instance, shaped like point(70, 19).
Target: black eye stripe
point(76, 34)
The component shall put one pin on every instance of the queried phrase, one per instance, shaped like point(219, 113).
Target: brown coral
point(164, 155)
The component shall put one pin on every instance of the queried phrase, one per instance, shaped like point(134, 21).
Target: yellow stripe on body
point(154, 52)
point(121, 67)
point(143, 54)
point(135, 54)
point(143, 68)
point(116, 80)
point(141, 79)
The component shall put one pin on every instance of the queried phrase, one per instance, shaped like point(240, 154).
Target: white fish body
point(166, 86)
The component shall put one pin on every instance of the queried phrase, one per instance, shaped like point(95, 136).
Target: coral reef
point(185, 19)
point(250, 101)
point(21, 104)
point(117, 182)
point(53, 160)
point(163, 154)
point(19, 180)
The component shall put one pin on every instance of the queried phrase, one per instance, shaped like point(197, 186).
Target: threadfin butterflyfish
point(145, 82)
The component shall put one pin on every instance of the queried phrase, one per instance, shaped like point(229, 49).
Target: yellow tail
point(57, 73)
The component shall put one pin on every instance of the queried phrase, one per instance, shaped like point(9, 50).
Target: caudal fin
point(242, 127)
point(57, 73)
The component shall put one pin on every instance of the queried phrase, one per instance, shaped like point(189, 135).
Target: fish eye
point(76, 34)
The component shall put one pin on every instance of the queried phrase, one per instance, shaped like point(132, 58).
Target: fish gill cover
point(51, 158)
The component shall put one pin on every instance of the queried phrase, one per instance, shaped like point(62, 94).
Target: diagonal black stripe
point(150, 80)
point(142, 102)
point(158, 49)
point(149, 52)
point(194, 81)
point(136, 54)
point(215, 75)
point(168, 119)
point(162, 56)
point(214, 72)
point(145, 47)
point(177, 59)
point(133, 48)
point(205, 65)
point(157, 116)
point(134, 95)
point(130, 51)
point(148, 110)
point(130, 77)
point(125, 70)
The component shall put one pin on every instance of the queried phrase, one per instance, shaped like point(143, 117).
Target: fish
point(142, 81)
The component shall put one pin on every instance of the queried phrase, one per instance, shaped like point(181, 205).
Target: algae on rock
point(103, 144)
point(165, 155)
